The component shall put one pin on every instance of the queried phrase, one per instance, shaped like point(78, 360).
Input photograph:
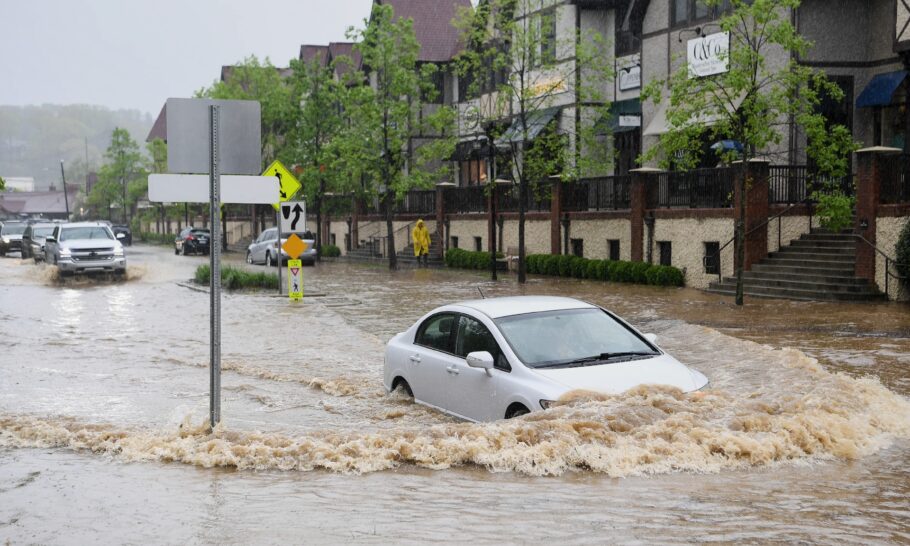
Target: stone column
point(870, 169)
point(642, 179)
point(441, 215)
point(555, 215)
point(756, 241)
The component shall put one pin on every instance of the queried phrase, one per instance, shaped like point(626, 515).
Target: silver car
point(33, 240)
point(85, 247)
point(265, 248)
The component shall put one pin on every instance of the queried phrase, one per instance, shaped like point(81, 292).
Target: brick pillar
point(756, 242)
point(555, 214)
point(642, 179)
point(869, 171)
point(441, 214)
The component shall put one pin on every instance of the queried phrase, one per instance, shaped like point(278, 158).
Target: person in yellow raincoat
point(421, 238)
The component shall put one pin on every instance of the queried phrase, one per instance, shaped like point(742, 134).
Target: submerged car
point(193, 241)
point(265, 249)
point(85, 247)
point(503, 357)
point(11, 237)
point(33, 240)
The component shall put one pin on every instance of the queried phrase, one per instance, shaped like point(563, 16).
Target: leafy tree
point(122, 180)
point(752, 102)
point(394, 140)
point(2, 184)
point(319, 120)
point(518, 67)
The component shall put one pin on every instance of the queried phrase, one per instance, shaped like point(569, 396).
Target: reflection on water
point(803, 432)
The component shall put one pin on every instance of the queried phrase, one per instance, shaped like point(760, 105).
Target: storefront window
point(473, 172)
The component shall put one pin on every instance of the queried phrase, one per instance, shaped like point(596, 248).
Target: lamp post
point(66, 200)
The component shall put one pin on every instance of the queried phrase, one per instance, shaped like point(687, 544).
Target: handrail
point(889, 261)
point(720, 269)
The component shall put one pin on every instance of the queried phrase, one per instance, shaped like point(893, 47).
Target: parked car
point(33, 240)
point(265, 249)
point(503, 357)
point(193, 240)
point(123, 234)
point(11, 237)
point(85, 247)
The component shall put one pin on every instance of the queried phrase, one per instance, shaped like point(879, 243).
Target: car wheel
point(516, 410)
point(176, 250)
point(400, 383)
point(268, 259)
point(249, 257)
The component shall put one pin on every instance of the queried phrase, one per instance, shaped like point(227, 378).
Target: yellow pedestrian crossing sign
point(289, 185)
point(295, 280)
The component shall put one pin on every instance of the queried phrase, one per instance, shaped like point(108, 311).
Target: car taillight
point(190, 238)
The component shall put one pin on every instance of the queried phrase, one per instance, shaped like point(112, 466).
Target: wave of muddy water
point(124, 379)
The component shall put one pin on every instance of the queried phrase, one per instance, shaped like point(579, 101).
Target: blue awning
point(879, 91)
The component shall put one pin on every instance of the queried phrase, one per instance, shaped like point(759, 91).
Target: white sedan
point(502, 357)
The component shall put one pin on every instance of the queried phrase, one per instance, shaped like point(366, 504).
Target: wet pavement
point(802, 437)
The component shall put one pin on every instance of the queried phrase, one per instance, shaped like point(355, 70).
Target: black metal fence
point(595, 194)
point(537, 200)
point(699, 188)
point(418, 202)
point(895, 182)
point(788, 184)
point(467, 199)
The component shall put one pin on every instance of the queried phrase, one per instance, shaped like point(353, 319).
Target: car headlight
point(6, 240)
point(65, 253)
point(118, 251)
point(546, 404)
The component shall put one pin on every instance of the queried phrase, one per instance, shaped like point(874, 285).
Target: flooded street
point(803, 435)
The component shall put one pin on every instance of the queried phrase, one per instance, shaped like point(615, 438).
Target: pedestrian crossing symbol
point(295, 280)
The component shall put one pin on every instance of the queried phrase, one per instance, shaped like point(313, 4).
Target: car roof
point(520, 305)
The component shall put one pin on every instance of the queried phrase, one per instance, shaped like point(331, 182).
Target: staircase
point(406, 257)
point(369, 251)
point(817, 266)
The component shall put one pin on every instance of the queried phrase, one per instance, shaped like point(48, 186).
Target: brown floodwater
point(803, 435)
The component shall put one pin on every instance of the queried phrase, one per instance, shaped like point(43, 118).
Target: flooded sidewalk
point(803, 435)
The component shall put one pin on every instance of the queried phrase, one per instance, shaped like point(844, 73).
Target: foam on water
point(765, 406)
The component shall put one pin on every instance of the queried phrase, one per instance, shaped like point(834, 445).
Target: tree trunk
point(319, 195)
point(390, 230)
point(522, 199)
point(740, 229)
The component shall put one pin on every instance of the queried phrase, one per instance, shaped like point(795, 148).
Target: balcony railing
point(538, 200)
point(418, 202)
point(895, 182)
point(699, 188)
point(595, 194)
point(788, 184)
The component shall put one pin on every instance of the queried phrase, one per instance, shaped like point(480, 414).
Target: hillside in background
point(33, 139)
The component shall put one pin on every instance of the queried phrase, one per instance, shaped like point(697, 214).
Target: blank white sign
point(194, 188)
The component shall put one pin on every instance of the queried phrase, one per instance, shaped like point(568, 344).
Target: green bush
point(639, 272)
point(903, 254)
point(591, 269)
point(615, 271)
point(661, 275)
point(834, 209)
point(467, 259)
point(233, 278)
point(330, 251)
point(580, 267)
point(157, 238)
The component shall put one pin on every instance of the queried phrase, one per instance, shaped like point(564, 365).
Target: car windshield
point(568, 336)
point(88, 232)
point(13, 229)
point(42, 231)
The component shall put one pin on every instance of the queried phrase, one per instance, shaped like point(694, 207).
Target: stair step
point(822, 250)
point(825, 278)
point(754, 283)
point(846, 270)
point(796, 294)
point(828, 237)
point(846, 262)
point(822, 243)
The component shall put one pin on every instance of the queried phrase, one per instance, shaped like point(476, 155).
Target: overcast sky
point(136, 53)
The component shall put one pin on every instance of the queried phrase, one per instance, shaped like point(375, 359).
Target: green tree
point(395, 138)
point(752, 102)
point(2, 184)
point(123, 179)
point(518, 68)
point(319, 120)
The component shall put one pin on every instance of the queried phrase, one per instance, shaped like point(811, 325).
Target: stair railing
point(889, 261)
point(778, 216)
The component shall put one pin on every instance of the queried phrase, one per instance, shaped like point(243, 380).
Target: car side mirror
point(652, 338)
point(480, 359)
point(121, 235)
point(49, 240)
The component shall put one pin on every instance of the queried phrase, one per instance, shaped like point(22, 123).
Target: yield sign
point(288, 185)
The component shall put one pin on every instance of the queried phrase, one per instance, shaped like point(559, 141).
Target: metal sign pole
point(280, 261)
point(215, 281)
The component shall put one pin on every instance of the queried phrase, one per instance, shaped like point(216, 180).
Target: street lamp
point(66, 200)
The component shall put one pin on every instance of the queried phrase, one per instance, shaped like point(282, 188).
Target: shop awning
point(625, 115)
point(537, 120)
point(879, 91)
point(660, 125)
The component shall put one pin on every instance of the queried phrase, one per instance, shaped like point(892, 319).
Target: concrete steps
point(817, 266)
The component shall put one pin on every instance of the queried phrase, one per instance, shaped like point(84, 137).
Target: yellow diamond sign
point(288, 184)
point(294, 246)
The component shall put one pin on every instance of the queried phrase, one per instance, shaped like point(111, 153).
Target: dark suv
point(193, 240)
point(11, 237)
point(123, 234)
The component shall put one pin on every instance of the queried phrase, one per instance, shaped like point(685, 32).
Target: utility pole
point(66, 199)
point(86, 164)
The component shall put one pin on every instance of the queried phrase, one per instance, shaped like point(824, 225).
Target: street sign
point(295, 280)
point(288, 183)
point(194, 188)
point(188, 137)
point(293, 217)
point(294, 246)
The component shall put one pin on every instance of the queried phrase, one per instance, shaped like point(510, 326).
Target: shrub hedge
point(233, 278)
point(604, 270)
point(468, 259)
point(157, 238)
point(330, 251)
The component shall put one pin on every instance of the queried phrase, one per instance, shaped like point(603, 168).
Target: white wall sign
point(709, 55)
point(630, 121)
point(629, 71)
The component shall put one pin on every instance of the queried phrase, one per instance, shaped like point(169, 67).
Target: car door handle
point(452, 370)
point(415, 359)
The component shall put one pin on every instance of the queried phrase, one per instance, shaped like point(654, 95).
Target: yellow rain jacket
point(421, 238)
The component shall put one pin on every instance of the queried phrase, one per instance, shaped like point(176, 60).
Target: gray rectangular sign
point(188, 136)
